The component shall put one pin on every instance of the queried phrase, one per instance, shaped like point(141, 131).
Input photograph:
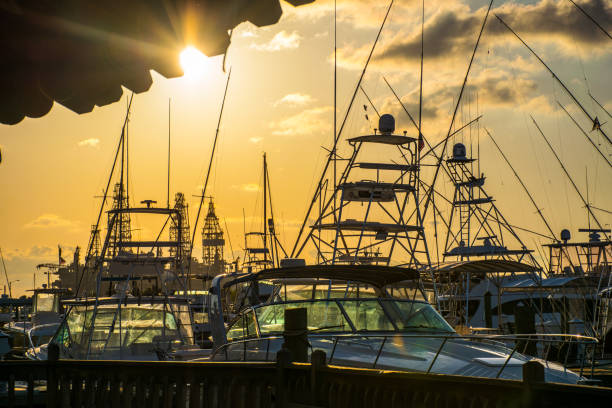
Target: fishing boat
point(354, 319)
point(45, 317)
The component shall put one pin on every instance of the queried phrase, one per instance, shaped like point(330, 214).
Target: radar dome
point(386, 124)
point(565, 235)
point(459, 151)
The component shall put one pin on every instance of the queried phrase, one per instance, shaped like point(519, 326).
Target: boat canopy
point(485, 266)
point(374, 275)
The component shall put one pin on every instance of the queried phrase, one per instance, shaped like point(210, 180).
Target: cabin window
point(46, 302)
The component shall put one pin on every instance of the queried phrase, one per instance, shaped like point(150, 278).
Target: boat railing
point(571, 348)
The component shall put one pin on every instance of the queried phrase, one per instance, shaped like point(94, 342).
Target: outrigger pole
point(600, 105)
point(210, 163)
point(594, 121)
point(585, 134)
point(332, 155)
point(603, 30)
point(586, 204)
point(110, 176)
point(552, 234)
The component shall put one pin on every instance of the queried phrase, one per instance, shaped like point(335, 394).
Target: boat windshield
point(345, 316)
point(139, 329)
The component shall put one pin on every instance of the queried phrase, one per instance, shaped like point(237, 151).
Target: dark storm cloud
point(451, 33)
point(492, 91)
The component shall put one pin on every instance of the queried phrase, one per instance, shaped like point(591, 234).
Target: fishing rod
point(105, 195)
point(450, 128)
point(593, 120)
point(332, 155)
point(586, 204)
point(210, 163)
point(603, 30)
point(522, 184)
point(585, 135)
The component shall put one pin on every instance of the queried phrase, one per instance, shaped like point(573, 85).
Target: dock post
point(318, 361)
point(487, 310)
point(533, 373)
point(296, 334)
point(52, 382)
point(524, 322)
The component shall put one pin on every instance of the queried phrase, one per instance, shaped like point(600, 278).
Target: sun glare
point(194, 63)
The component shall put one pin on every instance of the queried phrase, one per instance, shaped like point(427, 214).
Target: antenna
point(433, 183)
point(127, 143)
point(586, 175)
point(228, 237)
point(420, 142)
point(335, 95)
point(265, 208)
point(339, 133)
point(168, 190)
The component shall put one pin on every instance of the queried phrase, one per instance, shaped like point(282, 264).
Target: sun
point(194, 63)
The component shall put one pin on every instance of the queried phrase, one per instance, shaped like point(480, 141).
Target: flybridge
point(373, 215)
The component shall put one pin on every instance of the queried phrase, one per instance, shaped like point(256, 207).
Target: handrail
point(507, 360)
point(492, 340)
point(437, 354)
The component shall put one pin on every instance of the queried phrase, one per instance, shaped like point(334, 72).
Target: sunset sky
point(280, 101)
